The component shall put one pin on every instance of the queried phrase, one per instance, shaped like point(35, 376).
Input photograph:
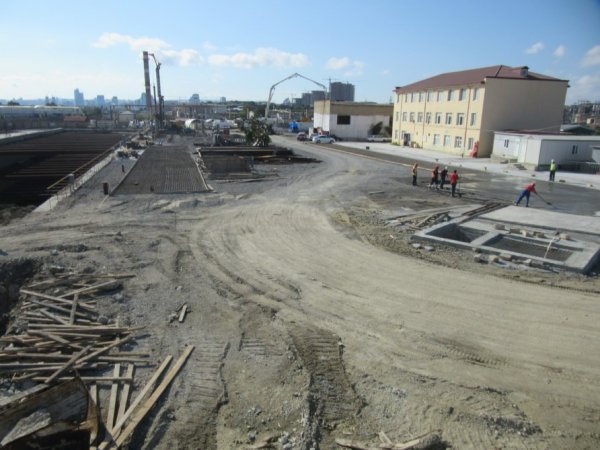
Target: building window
point(421, 97)
point(470, 143)
point(462, 94)
point(428, 118)
point(457, 142)
point(412, 117)
point(473, 120)
point(475, 93)
point(412, 97)
point(397, 98)
point(450, 95)
point(429, 96)
point(343, 120)
point(505, 143)
point(397, 116)
point(440, 96)
point(460, 119)
point(436, 139)
point(438, 118)
point(574, 150)
point(448, 118)
point(447, 140)
point(420, 117)
point(404, 116)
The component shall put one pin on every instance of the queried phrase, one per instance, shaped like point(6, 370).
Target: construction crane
point(161, 101)
point(272, 90)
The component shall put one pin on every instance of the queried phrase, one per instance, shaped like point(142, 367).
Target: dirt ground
point(314, 320)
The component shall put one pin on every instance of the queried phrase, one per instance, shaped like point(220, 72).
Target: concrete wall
point(520, 105)
point(362, 118)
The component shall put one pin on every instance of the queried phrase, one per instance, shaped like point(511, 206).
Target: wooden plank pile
point(58, 335)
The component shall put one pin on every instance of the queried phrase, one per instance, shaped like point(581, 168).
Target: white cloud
point(261, 57)
point(209, 46)
point(141, 43)
point(338, 63)
point(163, 51)
point(592, 57)
point(356, 69)
point(386, 72)
point(535, 48)
point(586, 87)
point(351, 68)
point(185, 57)
point(560, 51)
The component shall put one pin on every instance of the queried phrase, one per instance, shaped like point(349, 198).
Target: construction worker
point(552, 170)
point(526, 193)
point(443, 175)
point(415, 167)
point(453, 181)
point(434, 177)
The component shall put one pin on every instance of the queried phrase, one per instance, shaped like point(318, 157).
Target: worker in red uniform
point(453, 181)
point(526, 194)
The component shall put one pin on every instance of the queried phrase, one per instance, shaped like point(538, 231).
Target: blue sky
point(238, 49)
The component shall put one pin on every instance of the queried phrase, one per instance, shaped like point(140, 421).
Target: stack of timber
point(58, 336)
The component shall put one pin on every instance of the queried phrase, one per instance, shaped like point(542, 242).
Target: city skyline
point(240, 50)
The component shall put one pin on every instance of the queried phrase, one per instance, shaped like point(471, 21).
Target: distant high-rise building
point(195, 98)
point(316, 96)
point(100, 102)
point(78, 97)
point(306, 97)
point(341, 92)
point(223, 99)
point(114, 101)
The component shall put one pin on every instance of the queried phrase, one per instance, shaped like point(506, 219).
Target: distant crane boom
point(294, 75)
point(161, 102)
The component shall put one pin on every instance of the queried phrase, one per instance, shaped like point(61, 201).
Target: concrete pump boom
point(272, 90)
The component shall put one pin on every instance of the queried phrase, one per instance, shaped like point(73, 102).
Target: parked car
point(301, 136)
point(378, 138)
point(337, 138)
point(323, 140)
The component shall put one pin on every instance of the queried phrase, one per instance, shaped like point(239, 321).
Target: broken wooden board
point(44, 412)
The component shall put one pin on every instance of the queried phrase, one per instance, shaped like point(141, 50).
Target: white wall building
point(538, 150)
point(350, 120)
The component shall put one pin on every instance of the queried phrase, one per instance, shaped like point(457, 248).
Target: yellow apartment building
point(458, 112)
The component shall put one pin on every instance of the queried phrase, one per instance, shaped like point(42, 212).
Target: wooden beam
point(149, 385)
point(67, 365)
point(112, 404)
point(149, 403)
point(73, 309)
point(182, 314)
point(60, 300)
point(125, 392)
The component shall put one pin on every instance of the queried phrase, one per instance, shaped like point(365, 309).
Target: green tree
point(257, 134)
point(13, 103)
point(376, 129)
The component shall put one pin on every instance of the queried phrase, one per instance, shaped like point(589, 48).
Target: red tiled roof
point(474, 76)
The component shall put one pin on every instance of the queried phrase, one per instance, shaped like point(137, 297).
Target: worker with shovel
point(526, 193)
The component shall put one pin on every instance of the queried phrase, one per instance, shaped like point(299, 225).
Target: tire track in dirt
point(200, 399)
point(331, 398)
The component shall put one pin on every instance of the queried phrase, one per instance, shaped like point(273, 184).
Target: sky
point(238, 49)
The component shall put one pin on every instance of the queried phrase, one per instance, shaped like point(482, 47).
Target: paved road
point(480, 185)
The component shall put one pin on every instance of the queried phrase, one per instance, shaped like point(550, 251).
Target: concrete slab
point(548, 239)
point(551, 220)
